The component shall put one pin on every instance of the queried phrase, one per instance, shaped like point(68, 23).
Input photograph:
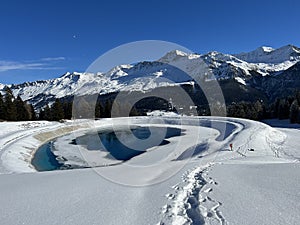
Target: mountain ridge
point(174, 68)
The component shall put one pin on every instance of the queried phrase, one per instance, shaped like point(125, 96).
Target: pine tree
point(118, 109)
point(47, 113)
point(107, 109)
point(67, 106)
point(9, 105)
point(22, 112)
point(258, 110)
point(57, 111)
point(32, 113)
point(276, 107)
point(98, 110)
point(3, 114)
point(298, 97)
point(41, 114)
point(83, 107)
point(283, 109)
point(294, 111)
point(134, 112)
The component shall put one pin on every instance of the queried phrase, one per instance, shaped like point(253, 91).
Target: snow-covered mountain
point(269, 55)
point(175, 68)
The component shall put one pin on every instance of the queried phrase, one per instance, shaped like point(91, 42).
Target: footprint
point(209, 214)
point(170, 196)
point(202, 200)
point(175, 186)
point(166, 208)
point(208, 190)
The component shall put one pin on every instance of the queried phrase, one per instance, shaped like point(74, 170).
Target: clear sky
point(44, 39)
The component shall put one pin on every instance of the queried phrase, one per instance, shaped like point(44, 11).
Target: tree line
point(287, 108)
point(61, 109)
point(282, 108)
point(15, 109)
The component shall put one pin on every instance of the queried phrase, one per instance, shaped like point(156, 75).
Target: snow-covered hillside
point(256, 183)
point(175, 68)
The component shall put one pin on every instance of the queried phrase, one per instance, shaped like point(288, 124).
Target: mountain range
point(264, 73)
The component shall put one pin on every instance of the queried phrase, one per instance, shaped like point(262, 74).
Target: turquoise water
point(45, 160)
point(117, 150)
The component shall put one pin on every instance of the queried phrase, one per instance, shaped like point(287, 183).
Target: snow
point(13, 154)
point(253, 193)
point(240, 80)
point(19, 140)
point(290, 147)
point(271, 56)
point(214, 186)
point(267, 49)
point(175, 68)
point(173, 56)
point(2, 86)
point(162, 113)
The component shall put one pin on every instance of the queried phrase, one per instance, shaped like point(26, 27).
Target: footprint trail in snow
point(191, 202)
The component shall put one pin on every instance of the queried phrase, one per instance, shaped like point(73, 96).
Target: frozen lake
point(107, 141)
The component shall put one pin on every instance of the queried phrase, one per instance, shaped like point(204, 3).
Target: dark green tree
point(283, 109)
point(22, 109)
point(298, 97)
point(9, 105)
point(83, 107)
point(32, 113)
point(134, 112)
point(57, 111)
point(294, 112)
point(98, 110)
point(67, 106)
point(41, 114)
point(258, 110)
point(276, 108)
point(3, 114)
point(47, 113)
point(107, 109)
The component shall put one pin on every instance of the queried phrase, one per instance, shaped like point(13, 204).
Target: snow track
point(191, 203)
point(215, 186)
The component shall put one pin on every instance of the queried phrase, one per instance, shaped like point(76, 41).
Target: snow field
point(215, 186)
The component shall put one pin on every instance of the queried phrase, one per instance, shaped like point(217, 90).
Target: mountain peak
point(266, 49)
point(177, 55)
point(172, 56)
point(269, 55)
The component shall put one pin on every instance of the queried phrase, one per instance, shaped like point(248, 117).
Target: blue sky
point(44, 39)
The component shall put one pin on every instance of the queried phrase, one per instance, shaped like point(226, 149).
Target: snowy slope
point(254, 193)
point(216, 186)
